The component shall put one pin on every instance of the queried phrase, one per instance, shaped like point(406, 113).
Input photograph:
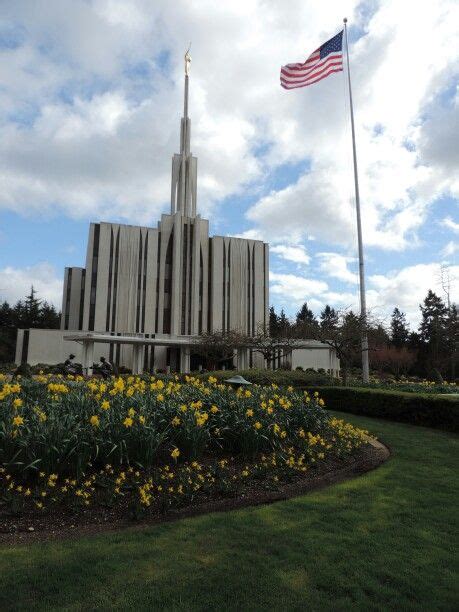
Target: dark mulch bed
point(67, 523)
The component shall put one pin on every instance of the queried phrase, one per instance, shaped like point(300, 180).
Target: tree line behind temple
point(30, 312)
point(429, 351)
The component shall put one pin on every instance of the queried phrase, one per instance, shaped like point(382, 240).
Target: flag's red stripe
point(300, 66)
point(312, 74)
point(313, 78)
point(310, 69)
point(310, 82)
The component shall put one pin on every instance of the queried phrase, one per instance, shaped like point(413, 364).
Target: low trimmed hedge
point(440, 411)
point(282, 378)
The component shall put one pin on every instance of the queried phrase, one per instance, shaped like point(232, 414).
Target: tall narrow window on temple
point(167, 285)
point(109, 287)
point(95, 264)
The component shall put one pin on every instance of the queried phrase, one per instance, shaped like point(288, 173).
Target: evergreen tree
point(351, 319)
point(273, 323)
point(329, 318)
point(305, 315)
point(49, 318)
point(32, 310)
point(432, 333)
point(5, 314)
point(284, 323)
point(399, 329)
point(18, 316)
point(414, 341)
point(377, 336)
point(452, 339)
point(433, 321)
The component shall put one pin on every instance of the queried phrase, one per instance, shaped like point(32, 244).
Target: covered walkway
point(138, 342)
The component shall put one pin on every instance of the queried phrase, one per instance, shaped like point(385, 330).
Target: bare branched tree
point(343, 334)
point(272, 347)
point(218, 347)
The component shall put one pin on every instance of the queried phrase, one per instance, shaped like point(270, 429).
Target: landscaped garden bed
point(74, 452)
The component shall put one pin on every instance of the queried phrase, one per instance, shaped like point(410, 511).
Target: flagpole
point(363, 308)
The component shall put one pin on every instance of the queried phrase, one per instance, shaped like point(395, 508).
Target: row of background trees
point(430, 351)
point(30, 312)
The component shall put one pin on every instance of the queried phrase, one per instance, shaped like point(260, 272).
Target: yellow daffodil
point(128, 422)
point(175, 453)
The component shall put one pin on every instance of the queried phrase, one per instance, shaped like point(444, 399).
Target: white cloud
point(403, 166)
point(407, 288)
point(336, 266)
point(311, 205)
point(297, 254)
point(292, 288)
point(93, 95)
point(450, 249)
point(450, 224)
point(15, 283)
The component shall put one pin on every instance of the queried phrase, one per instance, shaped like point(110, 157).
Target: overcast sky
point(91, 95)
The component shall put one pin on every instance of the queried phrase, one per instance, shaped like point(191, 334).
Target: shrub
point(411, 386)
point(295, 378)
point(438, 411)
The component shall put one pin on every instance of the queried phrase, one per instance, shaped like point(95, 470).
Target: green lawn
point(382, 541)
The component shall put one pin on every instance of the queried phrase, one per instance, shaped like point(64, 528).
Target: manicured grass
point(384, 541)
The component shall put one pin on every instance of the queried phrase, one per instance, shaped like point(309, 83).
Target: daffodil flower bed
point(151, 444)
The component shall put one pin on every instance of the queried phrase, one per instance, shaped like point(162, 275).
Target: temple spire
point(184, 165)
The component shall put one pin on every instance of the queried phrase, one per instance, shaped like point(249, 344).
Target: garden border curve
point(374, 455)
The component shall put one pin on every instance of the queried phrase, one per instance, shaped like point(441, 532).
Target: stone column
point(88, 357)
point(242, 361)
point(184, 359)
point(137, 358)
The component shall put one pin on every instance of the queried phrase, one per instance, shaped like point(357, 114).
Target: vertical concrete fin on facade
point(88, 291)
point(239, 271)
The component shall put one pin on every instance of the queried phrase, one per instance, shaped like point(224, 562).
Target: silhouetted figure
point(70, 367)
point(105, 368)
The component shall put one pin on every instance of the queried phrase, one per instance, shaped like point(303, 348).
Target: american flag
point(325, 60)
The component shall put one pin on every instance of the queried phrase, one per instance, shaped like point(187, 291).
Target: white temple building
point(146, 293)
